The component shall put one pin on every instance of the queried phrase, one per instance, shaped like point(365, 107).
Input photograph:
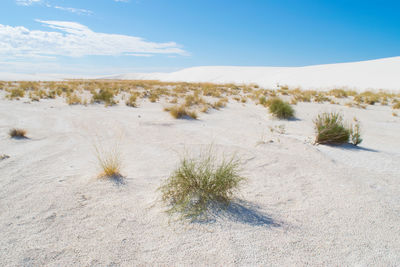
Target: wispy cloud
point(75, 10)
point(27, 2)
point(47, 4)
point(76, 40)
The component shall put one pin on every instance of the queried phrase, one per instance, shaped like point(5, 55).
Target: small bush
point(396, 106)
point(16, 93)
point(17, 133)
point(355, 133)
point(109, 161)
point(281, 109)
point(104, 96)
point(74, 99)
point(198, 182)
point(330, 129)
point(180, 112)
point(131, 102)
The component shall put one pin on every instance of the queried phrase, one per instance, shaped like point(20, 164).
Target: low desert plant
point(104, 96)
point(331, 129)
point(180, 112)
point(200, 181)
point(17, 133)
point(396, 106)
point(16, 93)
point(109, 161)
point(131, 102)
point(355, 133)
point(281, 109)
point(74, 99)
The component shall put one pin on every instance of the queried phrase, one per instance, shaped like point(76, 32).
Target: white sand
point(361, 76)
point(302, 205)
point(365, 75)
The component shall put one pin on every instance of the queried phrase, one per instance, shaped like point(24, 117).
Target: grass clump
point(181, 112)
point(104, 96)
point(281, 109)
point(331, 129)
point(200, 181)
point(109, 161)
point(131, 102)
point(17, 133)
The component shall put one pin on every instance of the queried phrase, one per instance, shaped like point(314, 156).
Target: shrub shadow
point(353, 147)
point(239, 211)
point(116, 179)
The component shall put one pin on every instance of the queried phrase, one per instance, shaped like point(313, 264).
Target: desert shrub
point(331, 129)
point(109, 161)
point(74, 99)
point(200, 181)
point(281, 109)
point(17, 133)
point(396, 106)
point(16, 93)
point(262, 100)
point(104, 96)
point(181, 112)
point(355, 133)
point(131, 102)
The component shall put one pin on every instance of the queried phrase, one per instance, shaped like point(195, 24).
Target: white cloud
point(27, 2)
point(76, 40)
point(74, 10)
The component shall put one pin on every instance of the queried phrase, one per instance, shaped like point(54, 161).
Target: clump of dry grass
point(16, 93)
point(200, 181)
point(105, 96)
point(131, 102)
point(109, 161)
point(181, 112)
point(17, 133)
point(74, 99)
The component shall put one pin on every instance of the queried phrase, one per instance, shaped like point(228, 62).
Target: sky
point(122, 36)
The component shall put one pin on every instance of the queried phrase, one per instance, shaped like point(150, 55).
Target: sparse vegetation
point(281, 109)
point(17, 133)
point(109, 161)
point(200, 181)
point(331, 129)
point(181, 112)
point(131, 102)
point(104, 96)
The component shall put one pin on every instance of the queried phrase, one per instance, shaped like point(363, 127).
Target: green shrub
point(104, 96)
point(330, 129)
point(199, 182)
point(281, 109)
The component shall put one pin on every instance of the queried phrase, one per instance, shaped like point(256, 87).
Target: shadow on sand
point(239, 211)
point(354, 148)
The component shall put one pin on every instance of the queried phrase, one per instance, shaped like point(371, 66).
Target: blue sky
point(110, 36)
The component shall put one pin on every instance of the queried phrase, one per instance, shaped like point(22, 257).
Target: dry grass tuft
point(17, 133)
point(181, 112)
point(110, 161)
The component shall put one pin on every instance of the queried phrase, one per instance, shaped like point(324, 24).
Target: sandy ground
point(302, 204)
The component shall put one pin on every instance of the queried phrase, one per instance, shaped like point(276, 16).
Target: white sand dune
point(365, 75)
point(302, 205)
point(373, 74)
